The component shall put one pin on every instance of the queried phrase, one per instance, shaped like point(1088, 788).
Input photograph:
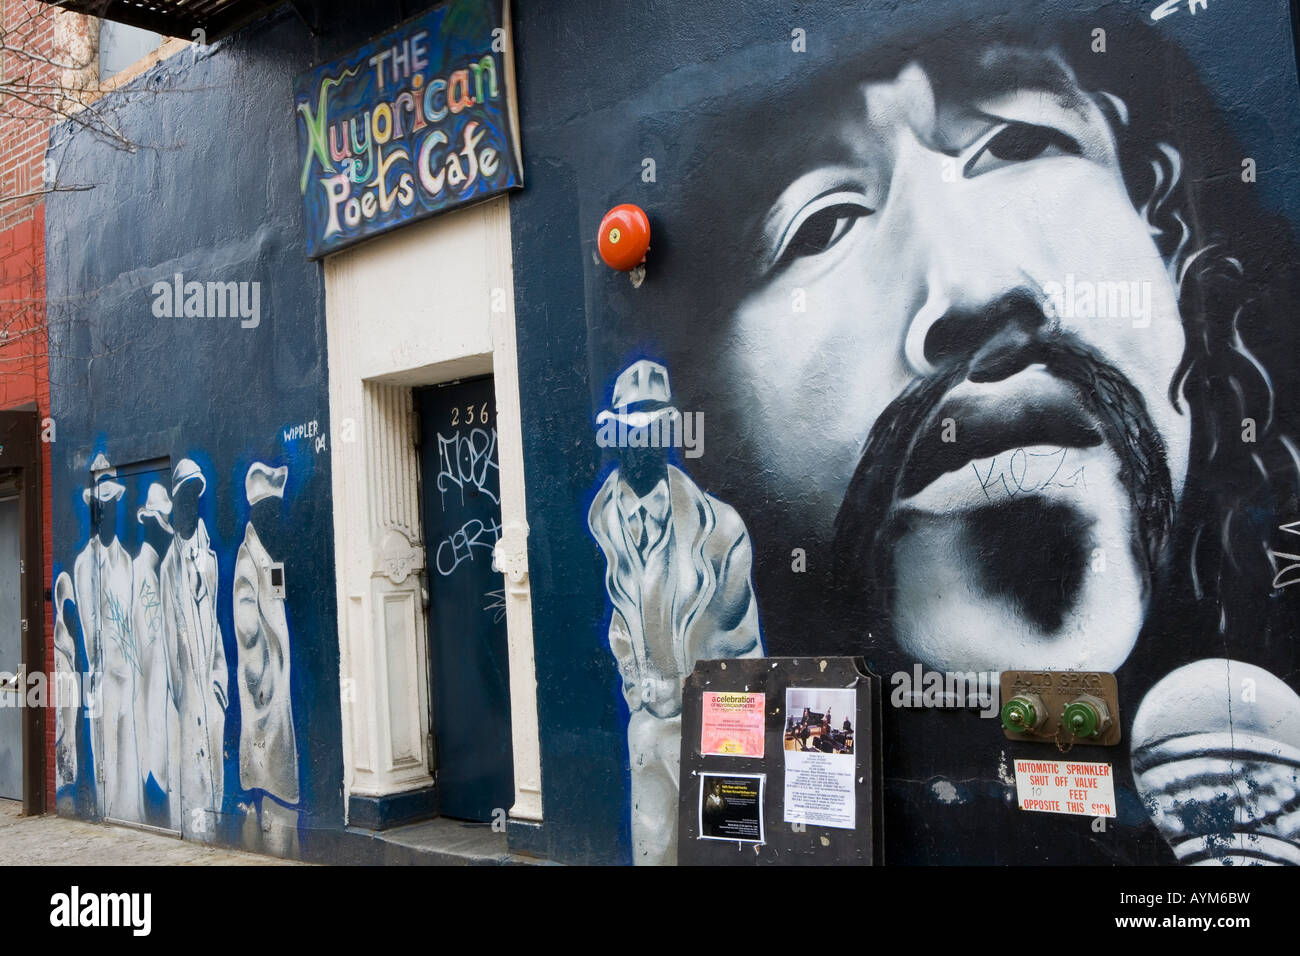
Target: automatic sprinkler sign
point(1060, 786)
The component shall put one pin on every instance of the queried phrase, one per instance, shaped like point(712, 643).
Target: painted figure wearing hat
point(196, 656)
point(160, 741)
point(679, 578)
point(102, 572)
point(268, 751)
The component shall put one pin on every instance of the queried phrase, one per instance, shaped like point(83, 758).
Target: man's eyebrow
point(1005, 70)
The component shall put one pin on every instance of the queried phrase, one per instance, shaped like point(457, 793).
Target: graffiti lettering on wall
point(157, 661)
point(1025, 471)
point(468, 460)
point(415, 123)
point(467, 463)
point(943, 344)
point(1167, 8)
point(1289, 574)
point(309, 430)
point(460, 546)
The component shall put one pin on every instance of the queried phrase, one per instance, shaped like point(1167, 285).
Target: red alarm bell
point(624, 237)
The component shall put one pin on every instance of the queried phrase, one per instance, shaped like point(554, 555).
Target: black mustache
point(989, 431)
point(900, 457)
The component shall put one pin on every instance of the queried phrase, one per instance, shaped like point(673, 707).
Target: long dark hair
point(1235, 267)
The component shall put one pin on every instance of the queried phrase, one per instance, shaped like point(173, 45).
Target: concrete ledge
point(525, 836)
point(437, 842)
point(391, 810)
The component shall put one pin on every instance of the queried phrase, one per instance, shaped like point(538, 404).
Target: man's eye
point(818, 228)
point(1019, 143)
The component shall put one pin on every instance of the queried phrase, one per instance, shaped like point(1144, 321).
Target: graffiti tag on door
point(468, 468)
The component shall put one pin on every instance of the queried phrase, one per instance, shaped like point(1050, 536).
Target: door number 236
point(470, 417)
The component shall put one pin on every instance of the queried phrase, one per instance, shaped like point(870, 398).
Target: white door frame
point(429, 303)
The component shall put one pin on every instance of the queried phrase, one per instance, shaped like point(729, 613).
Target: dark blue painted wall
point(208, 188)
point(211, 192)
point(602, 87)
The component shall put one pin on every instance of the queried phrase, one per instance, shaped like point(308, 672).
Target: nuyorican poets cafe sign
point(417, 122)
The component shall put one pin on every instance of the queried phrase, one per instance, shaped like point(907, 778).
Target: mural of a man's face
point(927, 367)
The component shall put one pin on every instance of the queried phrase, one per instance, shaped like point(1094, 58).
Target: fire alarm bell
point(624, 237)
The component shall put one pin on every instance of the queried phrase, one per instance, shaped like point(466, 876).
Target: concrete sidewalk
point(53, 840)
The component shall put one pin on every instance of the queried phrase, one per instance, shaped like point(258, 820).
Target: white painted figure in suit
point(160, 745)
point(102, 573)
point(268, 750)
point(196, 656)
point(679, 578)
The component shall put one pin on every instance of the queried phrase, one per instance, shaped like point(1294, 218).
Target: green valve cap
point(1082, 718)
point(1020, 714)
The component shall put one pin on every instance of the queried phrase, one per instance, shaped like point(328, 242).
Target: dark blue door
point(469, 671)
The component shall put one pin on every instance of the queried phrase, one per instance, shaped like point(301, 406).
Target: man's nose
point(993, 339)
point(972, 299)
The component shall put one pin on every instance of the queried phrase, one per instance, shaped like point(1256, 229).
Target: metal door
point(22, 607)
point(11, 653)
point(469, 671)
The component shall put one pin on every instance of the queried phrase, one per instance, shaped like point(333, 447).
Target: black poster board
point(830, 747)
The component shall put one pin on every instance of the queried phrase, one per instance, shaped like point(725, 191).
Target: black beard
point(907, 434)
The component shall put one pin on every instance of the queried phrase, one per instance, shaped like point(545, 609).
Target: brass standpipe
point(1023, 713)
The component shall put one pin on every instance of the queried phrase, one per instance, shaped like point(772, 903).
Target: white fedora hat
point(187, 470)
point(641, 396)
point(104, 491)
point(263, 481)
point(158, 505)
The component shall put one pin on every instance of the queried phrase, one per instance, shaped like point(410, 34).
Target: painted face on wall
point(185, 509)
point(959, 346)
point(106, 524)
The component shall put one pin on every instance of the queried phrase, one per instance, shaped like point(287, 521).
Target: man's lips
point(1029, 408)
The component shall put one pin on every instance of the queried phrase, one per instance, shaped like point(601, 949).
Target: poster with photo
point(819, 757)
point(732, 725)
point(731, 806)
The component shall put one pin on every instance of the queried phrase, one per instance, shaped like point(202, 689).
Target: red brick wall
point(29, 39)
point(24, 366)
